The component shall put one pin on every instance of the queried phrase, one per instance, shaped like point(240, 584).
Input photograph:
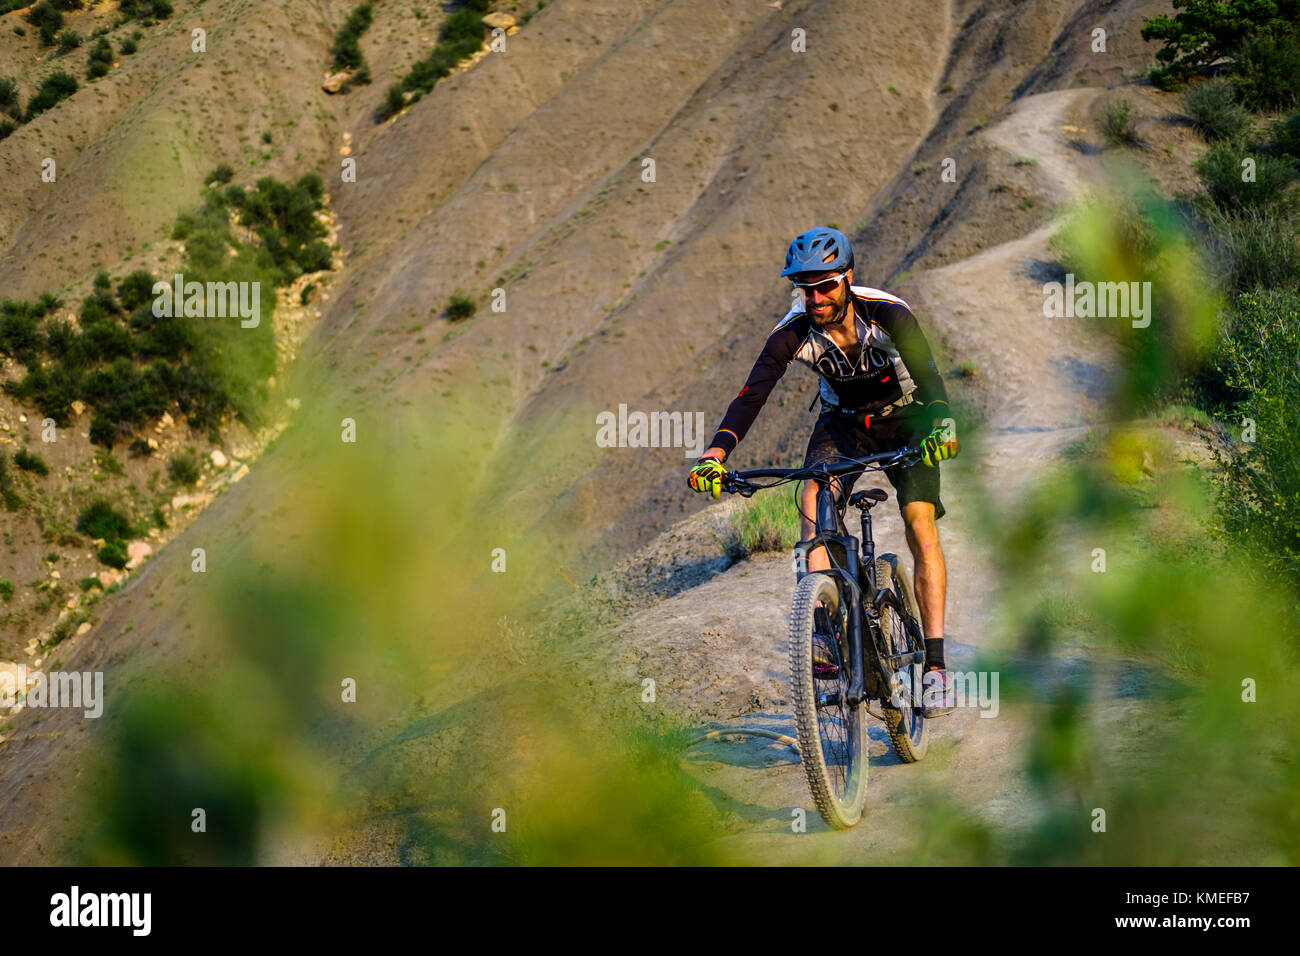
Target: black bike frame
point(831, 532)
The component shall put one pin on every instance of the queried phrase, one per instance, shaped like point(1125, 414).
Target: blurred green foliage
point(472, 702)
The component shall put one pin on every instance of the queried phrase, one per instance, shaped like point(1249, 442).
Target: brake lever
point(910, 455)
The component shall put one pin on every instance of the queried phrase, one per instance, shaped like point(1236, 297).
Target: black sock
point(933, 653)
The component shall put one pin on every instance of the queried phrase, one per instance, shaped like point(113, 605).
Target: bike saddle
point(874, 495)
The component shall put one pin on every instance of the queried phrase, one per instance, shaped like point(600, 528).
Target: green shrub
point(1214, 109)
point(1116, 124)
point(102, 431)
point(136, 290)
point(145, 9)
point(9, 97)
point(1223, 167)
point(56, 88)
point(7, 590)
point(1267, 68)
point(392, 103)
point(460, 306)
point(29, 461)
point(347, 45)
point(68, 41)
point(19, 330)
point(1205, 31)
point(1261, 486)
point(184, 467)
point(1285, 138)
point(128, 46)
point(460, 37)
point(100, 519)
point(222, 173)
point(6, 129)
point(315, 256)
point(129, 365)
point(113, 553)
point(51, 389)
point(101, 59)
point(47, 19)
point(1256, 247)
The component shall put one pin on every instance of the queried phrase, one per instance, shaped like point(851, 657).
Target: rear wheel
point(909, 732)
point(832, 735)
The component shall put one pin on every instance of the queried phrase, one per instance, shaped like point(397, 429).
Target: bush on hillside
point(9, 97)
point(184, 467)
point(460, 37)
point(1203, 32)
point(1267, 69)
point(347, 43)
point(1226, 166)
point(56, 88)
point(68, 41)
point(47, 19)
point(1285, 138)
point(1116, 124)
point(101, 59)
point(1214, 110)
point(145, 9)
point(100, 519)
point(460, 306)
point(1261, 486)
point(30, 461)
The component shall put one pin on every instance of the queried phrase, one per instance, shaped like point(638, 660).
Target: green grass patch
point(30, 461)
point(460, 37)
point(765, 522)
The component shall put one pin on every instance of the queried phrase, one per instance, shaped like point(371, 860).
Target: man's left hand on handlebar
point(941, 444)
point(707, 476)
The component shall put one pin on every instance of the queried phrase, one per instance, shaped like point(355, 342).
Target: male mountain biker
point(880, 391)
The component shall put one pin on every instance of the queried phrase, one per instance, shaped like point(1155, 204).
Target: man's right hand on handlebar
point(707, 476)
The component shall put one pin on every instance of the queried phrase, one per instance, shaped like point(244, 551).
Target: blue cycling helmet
point(822, 249)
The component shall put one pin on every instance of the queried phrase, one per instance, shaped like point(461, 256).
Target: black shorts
point(836, 437)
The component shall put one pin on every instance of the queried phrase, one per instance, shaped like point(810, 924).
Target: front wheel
point(832, 735)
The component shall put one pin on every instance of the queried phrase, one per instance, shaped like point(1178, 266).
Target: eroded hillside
point(626, 172)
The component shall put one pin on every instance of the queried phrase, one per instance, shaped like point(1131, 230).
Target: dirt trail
point(1050, 383)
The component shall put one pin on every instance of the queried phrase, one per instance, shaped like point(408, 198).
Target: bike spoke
point(833, 716)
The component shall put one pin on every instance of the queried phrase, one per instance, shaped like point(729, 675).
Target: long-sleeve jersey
point(895, 361)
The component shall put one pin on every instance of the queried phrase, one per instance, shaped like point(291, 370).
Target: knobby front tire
point(832, 736)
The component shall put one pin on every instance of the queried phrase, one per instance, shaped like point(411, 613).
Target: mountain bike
point(854, 637)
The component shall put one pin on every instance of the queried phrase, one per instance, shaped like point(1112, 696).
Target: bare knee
point(922, 532)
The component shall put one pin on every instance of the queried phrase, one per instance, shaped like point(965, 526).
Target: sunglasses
point(825, 286)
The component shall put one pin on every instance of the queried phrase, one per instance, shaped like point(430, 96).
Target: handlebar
point(738, 482)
